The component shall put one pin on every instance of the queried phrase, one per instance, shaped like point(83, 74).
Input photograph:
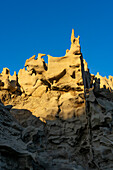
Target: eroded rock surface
point(13, 151)
point(61, 115)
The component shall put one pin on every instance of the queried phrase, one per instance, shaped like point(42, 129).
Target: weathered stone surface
point(103, 82)
point(13, 151)
point(48, 84)
point(62, 116)
point(8, 82)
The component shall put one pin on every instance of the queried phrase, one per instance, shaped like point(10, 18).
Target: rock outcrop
point(61, 115)
point(13, 151)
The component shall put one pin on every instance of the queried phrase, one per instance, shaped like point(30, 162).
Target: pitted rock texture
point(56, 115)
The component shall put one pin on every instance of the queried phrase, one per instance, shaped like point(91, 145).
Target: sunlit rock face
point(58, 87)
point(8, 82)
point(59, 116)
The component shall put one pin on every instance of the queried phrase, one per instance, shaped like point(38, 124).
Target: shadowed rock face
point(61, 115)
point(13, 151)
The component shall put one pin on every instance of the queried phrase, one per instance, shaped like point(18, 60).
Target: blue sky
point(29, 27)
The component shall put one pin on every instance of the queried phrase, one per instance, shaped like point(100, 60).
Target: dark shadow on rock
point(22, 136)
point(25, 117)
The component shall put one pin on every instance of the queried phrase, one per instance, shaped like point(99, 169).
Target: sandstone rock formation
point(8, 82)
point(61, 115)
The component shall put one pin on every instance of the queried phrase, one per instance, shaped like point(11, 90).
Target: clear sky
point(29, 27)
